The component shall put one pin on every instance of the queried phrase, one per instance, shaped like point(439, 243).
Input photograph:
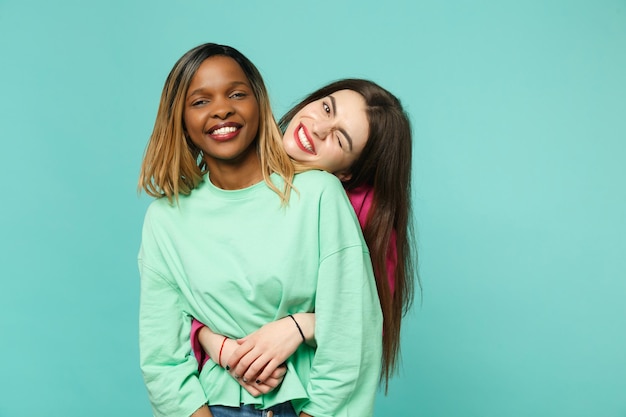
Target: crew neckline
point(233, 194)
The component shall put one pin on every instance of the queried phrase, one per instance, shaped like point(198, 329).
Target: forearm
point(202, 412)
point(306, 321)
point(215, 345)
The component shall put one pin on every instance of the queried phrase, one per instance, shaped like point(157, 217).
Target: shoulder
point(321, 189)
point(161, 212)
point(158, 215)
point(317, 180)
point(164, 206)
point(161, 207)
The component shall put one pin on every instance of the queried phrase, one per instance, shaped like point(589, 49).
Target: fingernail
point(245, 380)
point(227, 368)
point(258, 381)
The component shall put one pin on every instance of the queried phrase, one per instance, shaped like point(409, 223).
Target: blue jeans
point(279, 410)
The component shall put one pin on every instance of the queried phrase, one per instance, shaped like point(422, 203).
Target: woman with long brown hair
point(377, 180)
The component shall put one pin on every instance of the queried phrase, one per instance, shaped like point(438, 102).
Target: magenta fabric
point(361, 200)
point(198, 352)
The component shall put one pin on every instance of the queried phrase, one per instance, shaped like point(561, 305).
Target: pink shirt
point(361, 200)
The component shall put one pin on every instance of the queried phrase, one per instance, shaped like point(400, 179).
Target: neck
point(236, 175)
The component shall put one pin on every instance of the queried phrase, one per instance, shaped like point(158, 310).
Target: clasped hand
point(257, 361)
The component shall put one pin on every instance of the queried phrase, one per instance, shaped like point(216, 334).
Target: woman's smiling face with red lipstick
point(221, 112)
point(330, 133)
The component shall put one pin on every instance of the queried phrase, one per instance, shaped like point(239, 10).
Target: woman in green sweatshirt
point(236, 240)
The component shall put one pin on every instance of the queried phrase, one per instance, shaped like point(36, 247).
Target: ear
point(343, 176)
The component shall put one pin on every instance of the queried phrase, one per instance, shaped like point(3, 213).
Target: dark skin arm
point(202, 412)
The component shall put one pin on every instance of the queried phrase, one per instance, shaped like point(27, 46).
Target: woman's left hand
point(220, 349)
point(261, 353)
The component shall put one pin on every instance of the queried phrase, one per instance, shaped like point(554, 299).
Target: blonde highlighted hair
point(173, 165)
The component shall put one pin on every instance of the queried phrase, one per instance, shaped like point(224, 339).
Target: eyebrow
point(231, 85)
point(334, 106)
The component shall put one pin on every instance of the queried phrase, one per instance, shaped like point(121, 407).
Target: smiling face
point(329, 133)
point(221, 113)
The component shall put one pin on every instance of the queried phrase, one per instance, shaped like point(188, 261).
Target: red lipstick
point(306, 147)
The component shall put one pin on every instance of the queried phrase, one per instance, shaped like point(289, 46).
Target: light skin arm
point(258, 356)
point(213, 343)
point(261, 352)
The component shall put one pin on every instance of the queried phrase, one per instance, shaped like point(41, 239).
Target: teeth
point(304, 140)
point(224, 130)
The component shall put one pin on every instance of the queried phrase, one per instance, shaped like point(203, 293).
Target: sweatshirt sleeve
point(169, 370)
point(346, 366)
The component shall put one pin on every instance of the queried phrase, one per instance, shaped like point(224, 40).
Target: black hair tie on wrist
point(299, 329)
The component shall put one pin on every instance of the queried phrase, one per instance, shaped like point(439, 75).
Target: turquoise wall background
point(519, 115)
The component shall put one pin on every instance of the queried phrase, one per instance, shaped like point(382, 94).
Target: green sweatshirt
point(237, 260)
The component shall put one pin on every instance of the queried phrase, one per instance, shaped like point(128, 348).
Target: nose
point(322, 128)
point(222, 108)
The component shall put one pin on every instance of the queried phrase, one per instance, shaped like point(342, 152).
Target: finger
point(254, 391)
point(256, 368)
point(258, 389)
point(236, 356)
point(251, 388)
point(244, 363)
point(280, 372)
point(265, 388)
point(269, 370)
point(272, 382)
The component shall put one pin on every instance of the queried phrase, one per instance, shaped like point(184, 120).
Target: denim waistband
point(278, 410)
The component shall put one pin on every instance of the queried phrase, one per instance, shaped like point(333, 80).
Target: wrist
point(295, 322)
point(212, 344)
point(219, 356)
point(306, 322)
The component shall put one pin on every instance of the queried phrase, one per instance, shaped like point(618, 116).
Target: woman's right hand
point(263, 387)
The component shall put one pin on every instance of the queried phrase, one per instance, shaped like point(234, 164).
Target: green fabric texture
point(237, 260)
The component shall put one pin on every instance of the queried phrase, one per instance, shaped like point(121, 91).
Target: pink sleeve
point(198, 352)
point(361, 200)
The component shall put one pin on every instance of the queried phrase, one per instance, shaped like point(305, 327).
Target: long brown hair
point(172, 164)
point(385, 165)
